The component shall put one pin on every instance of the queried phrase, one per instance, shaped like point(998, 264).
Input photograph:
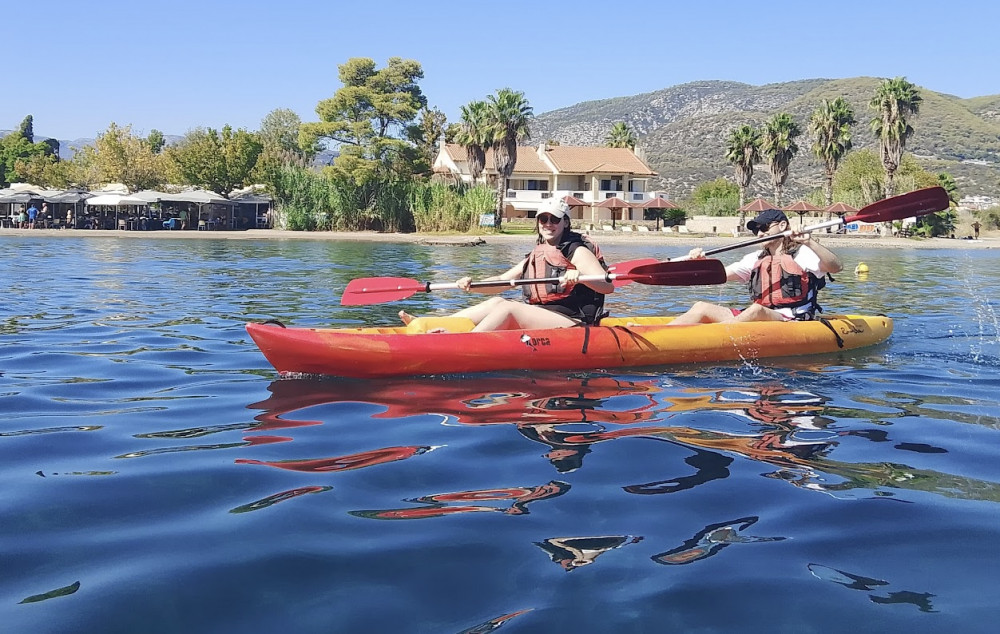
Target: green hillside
point(683, 129)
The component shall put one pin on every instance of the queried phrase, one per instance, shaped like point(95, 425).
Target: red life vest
point(546, 260)
point(779, 282)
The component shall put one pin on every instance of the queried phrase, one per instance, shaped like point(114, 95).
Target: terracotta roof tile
point(567, 159)
point(589, 160)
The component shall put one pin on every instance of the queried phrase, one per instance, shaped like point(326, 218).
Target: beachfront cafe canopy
point(201, 198)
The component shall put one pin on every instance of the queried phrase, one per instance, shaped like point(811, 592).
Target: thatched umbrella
point(573, 201)
point(841, 209)
point(614, 204)
point(659, 203)
point(755, 206)
point(801, 207)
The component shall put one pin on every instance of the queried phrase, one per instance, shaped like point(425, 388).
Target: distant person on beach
point(184, 219)
point(69, 218)
point(784, 276)
point(975, 229)
point(32, 216)
point(22, 218)
point(560, 252)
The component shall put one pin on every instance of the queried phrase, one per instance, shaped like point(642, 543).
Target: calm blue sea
point(157, 475)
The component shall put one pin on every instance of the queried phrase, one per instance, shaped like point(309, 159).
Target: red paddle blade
point(376, 290)
point(915, 203)
point(683, 273)
point(623, 268)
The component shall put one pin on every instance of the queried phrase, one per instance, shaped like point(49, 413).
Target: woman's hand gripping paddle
point(915, 203)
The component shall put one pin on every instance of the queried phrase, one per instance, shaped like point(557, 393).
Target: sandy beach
point(833, 240)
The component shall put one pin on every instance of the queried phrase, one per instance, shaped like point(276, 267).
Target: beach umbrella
point(755, 206)
point(841, 209)
point(573, 201)
point(659, 203)
point(614, 204)
point(115, 200)
point(802, 207)
point(202, 197)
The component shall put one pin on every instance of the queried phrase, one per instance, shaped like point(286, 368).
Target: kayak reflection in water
point(573, 552)
point(558, 253)
point(710, 540)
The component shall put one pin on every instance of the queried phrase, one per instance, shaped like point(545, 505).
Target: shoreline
point(431, 239)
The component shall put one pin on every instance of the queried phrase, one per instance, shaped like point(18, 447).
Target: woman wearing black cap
point(784, 276)
point(558, 253)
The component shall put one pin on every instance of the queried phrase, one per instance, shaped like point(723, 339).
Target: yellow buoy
point(861, 268)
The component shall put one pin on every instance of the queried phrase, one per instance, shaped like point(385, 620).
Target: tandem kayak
point(420, 348)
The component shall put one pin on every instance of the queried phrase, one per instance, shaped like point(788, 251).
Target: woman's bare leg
point(703, 313)
point(756, 312)
point(405, 317)
point(511, 315)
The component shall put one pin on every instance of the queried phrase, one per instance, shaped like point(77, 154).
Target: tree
point(218, 162)
point(279, 130)
point(156, 141)
point(16, 150)
point(44, 170)
point(830, 126)
point(621, 135)
point(27, 128)
point(743, 151)
point(777, 144)
point(859, 179)
point(425, 135)
point(507, 119)
point(894, 102)
point(716, 198)
point(947, 181)
point(368, 117)
point(474, 136)
point(121, 157)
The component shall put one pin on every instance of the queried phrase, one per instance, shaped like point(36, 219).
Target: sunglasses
point(548, 219)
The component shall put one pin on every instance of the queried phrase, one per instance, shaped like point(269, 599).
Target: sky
point(173, 66)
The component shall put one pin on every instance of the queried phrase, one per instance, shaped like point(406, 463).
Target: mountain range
point(682, 130)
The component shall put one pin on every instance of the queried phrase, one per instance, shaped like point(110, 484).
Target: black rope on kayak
point(614, 333)
point(826, 322)
point(275, 322)
point(586, 338)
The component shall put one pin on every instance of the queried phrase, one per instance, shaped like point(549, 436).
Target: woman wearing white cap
point(784, 276)
point(561, 305)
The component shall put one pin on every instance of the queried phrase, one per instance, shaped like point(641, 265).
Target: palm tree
point(894, 101)
point(777, 143)
point(743, 151)
point(508, 115)
point(621, 135)
point(474, 137)
point(830, 126)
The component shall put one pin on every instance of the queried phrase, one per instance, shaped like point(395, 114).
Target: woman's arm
point(586, 263)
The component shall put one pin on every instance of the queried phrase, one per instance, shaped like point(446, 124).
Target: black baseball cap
point(765, 218)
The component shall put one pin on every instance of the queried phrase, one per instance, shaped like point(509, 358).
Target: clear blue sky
point(77, 66)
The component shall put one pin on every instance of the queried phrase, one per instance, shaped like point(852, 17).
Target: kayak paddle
point(378, 290)
point(915, 203)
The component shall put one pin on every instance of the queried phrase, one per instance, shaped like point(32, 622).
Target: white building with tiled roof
point(589, 174)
